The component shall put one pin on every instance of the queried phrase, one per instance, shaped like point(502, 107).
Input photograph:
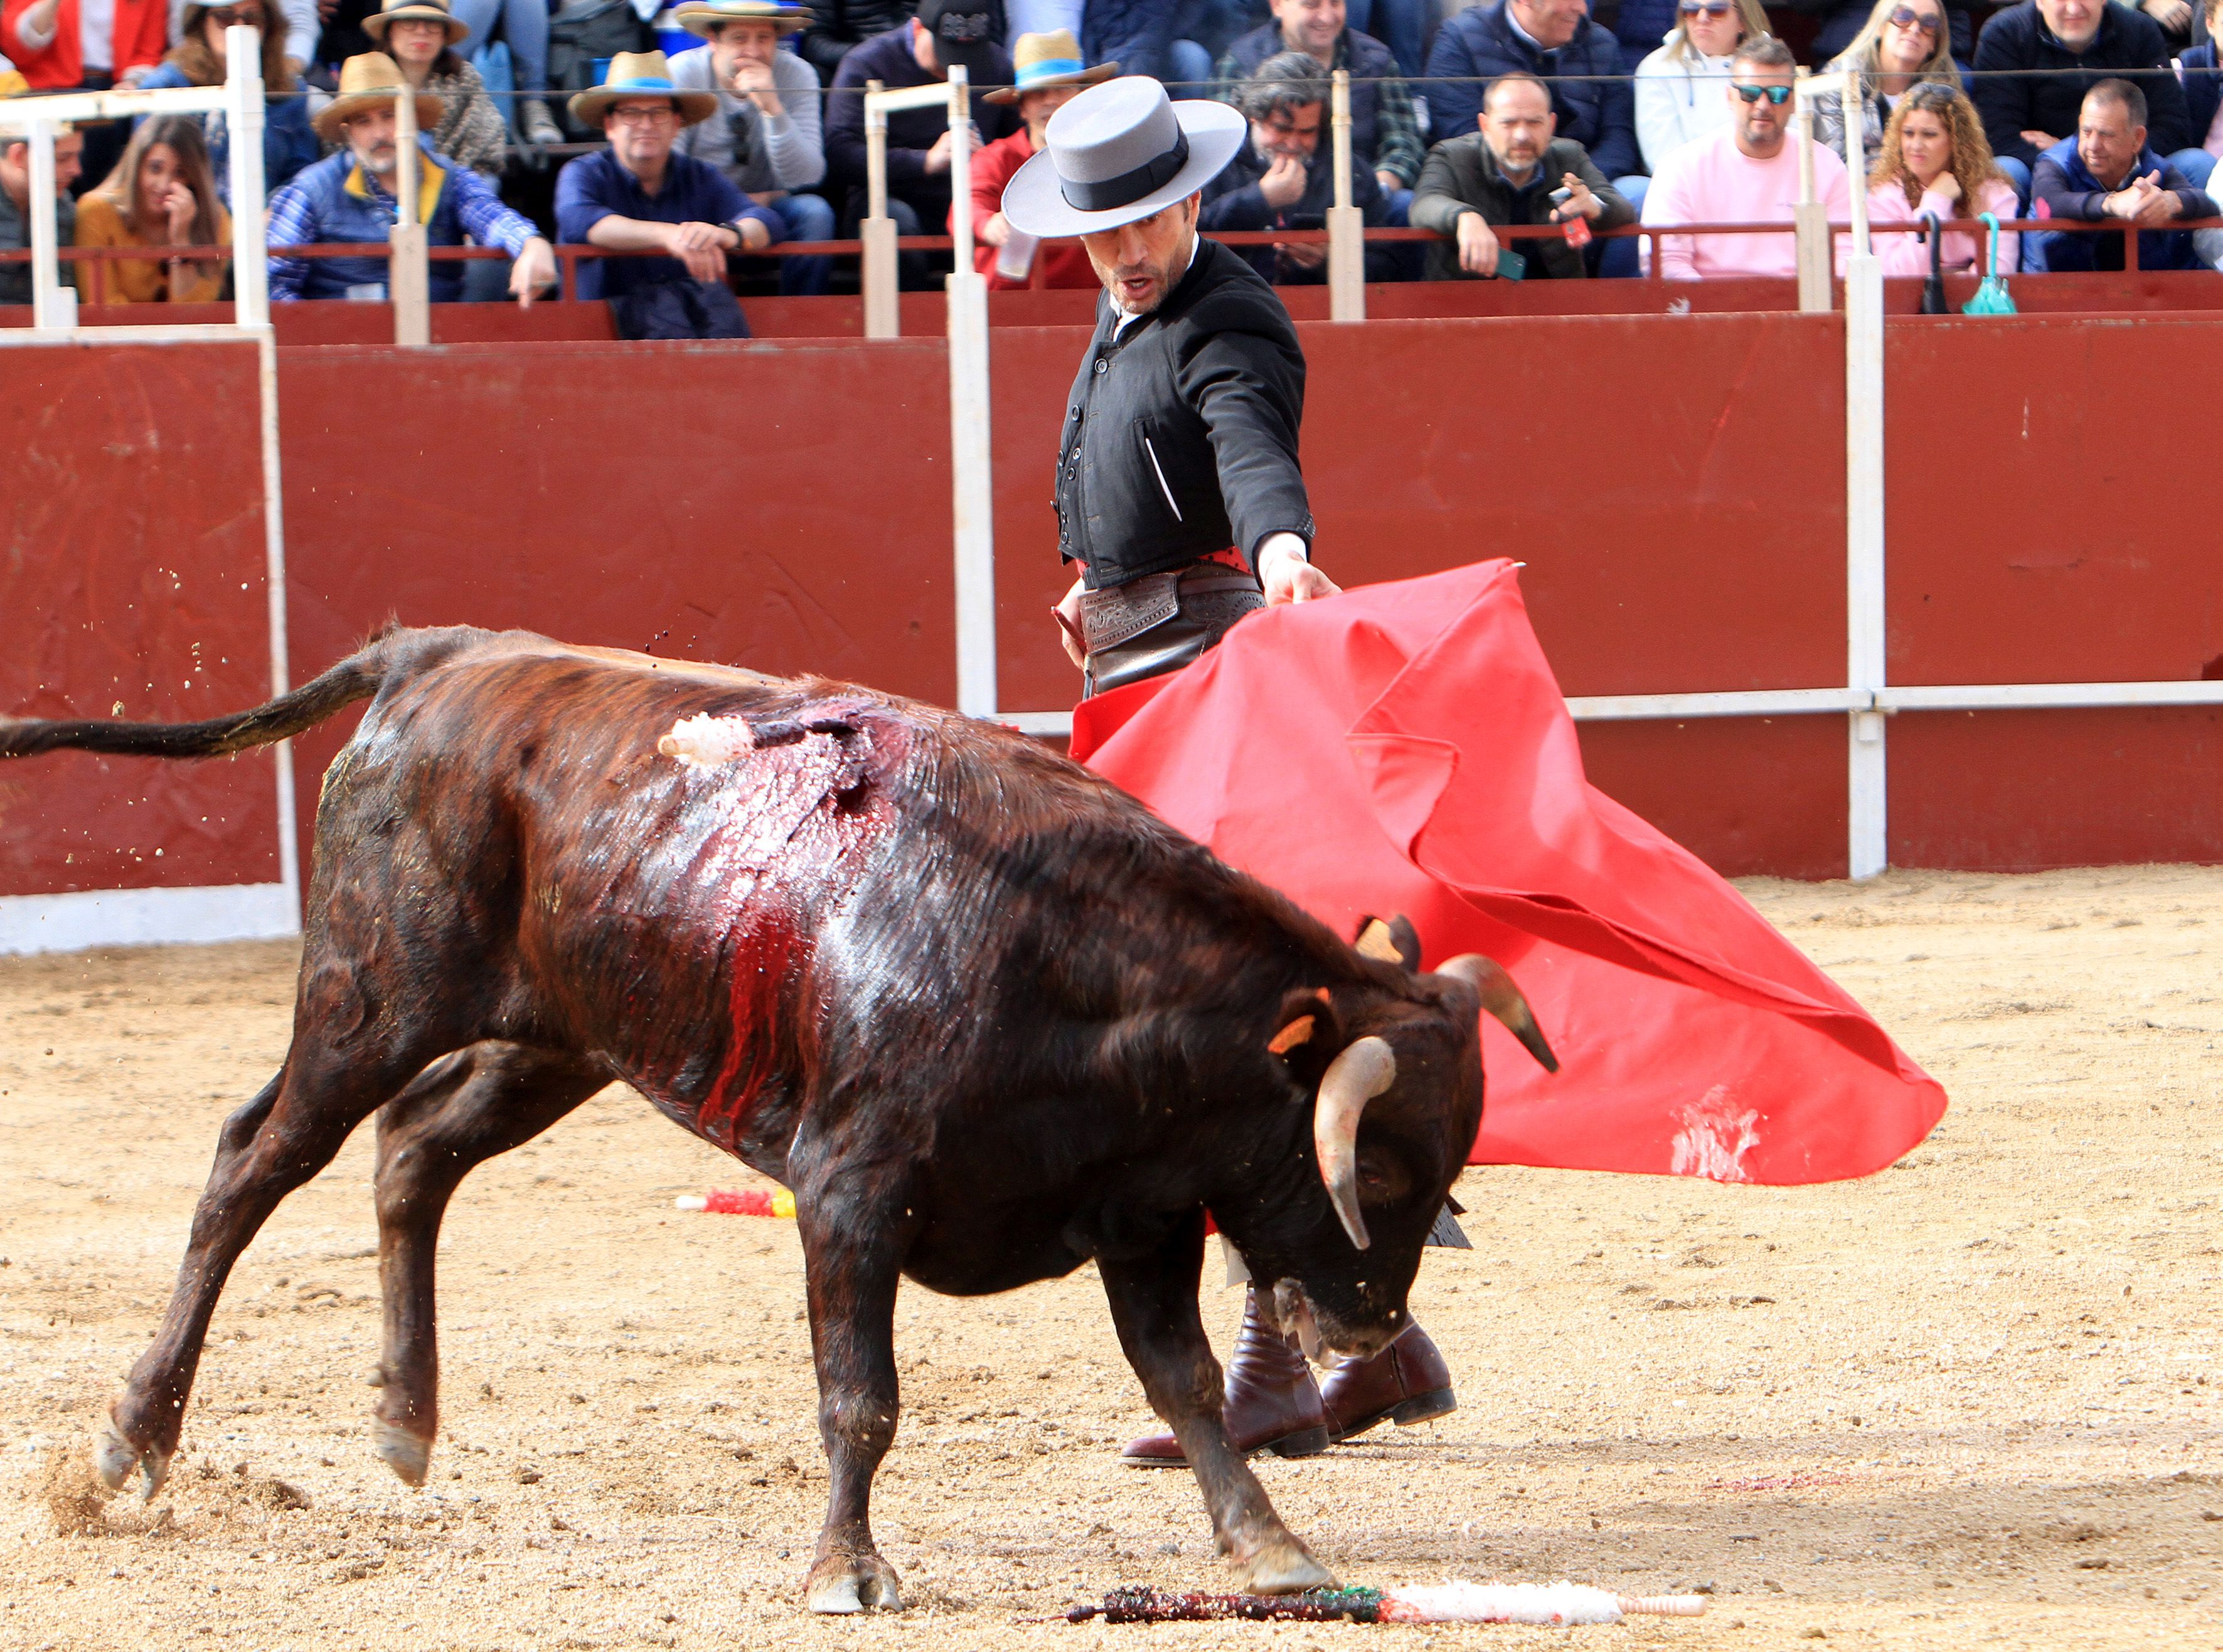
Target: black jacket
point(1461, 175)
point(1180, 439)
point(2129, 44)
point(889, 59)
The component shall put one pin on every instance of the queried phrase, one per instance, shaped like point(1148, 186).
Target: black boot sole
point(1420, 1407)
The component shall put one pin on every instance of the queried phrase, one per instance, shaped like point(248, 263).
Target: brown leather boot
point(1271, 1402)
point(1408, 1382)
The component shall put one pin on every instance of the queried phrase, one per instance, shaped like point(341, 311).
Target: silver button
point(1101, 365)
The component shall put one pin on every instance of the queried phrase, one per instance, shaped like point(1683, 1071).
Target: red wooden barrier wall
point(1674, 482)
point(132, 583)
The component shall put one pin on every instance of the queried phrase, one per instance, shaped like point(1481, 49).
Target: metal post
point(1868, 828)
point(243, 118)
point(883, 314)
point(408, 280)
point(1346, 225)
point(274, 555)
point(972, 478)
point(50, 311)
point(1810, 216)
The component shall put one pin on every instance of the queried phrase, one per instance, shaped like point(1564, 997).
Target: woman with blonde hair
point(161, 195)
point(1933, 158)
point(1682, 87)
point(288, 144)
point(1907, 43)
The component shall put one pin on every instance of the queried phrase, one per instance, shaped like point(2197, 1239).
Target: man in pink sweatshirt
point(1747, 173)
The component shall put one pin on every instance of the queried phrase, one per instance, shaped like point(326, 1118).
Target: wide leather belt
point(1161, 622)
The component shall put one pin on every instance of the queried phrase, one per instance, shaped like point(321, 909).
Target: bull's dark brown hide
point(987, 1016)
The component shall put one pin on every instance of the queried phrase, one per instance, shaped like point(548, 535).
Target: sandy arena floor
point(1973, 1400)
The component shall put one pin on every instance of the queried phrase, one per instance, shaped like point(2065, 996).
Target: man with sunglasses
point(1748, 175)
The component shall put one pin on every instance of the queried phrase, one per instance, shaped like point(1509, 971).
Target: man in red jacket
point(50, 43)
point(1049, 74)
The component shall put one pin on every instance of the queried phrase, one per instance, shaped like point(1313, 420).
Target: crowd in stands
point(1581, 116)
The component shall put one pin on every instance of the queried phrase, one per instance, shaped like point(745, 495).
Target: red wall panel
point(783, 507)
point(2038, 532)
point(2023, 791)
point(131, 582)
point(1749, 795)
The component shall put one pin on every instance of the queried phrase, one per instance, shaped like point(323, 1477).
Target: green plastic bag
point(1991, 298)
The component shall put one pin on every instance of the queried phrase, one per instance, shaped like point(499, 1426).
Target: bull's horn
point(1502, 999)
point(1364, 1069)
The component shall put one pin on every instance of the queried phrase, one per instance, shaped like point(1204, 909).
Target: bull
point(985, 1015)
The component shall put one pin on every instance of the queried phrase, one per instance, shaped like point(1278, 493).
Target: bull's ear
point(1308, 1031)
point(1394, 942)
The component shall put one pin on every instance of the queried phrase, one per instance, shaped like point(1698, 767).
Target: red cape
point(1693, 1038)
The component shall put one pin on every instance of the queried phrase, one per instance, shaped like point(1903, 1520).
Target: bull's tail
point(356, 678)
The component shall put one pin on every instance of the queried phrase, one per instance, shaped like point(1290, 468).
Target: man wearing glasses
point(638, 195)
point(1748, 175)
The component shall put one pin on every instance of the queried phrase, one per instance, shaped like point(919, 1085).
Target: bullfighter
point(1179, 495)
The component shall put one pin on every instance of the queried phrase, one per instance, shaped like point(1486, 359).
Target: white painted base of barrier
point(145, 918)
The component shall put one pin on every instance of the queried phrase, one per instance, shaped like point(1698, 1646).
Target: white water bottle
point(1016, 255)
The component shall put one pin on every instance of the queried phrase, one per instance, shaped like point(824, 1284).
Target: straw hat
point(641, 75)
point(1120, 152)
point(431, 12)
point(1046, 60)
point(701, 16)
point(365, 82)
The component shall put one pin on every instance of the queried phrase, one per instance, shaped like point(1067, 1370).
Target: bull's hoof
point(1282, 1567)
point(400, 1451)
point(115, 1458)
point(844, 1584)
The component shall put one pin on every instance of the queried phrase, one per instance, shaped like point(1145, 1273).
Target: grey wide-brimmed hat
point(1120, 152)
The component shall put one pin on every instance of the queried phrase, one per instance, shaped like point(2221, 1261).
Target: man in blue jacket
point(1548, 39)
point(2108, 171)
point(2071, 44)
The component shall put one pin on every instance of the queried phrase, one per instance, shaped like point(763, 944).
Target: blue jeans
point(1617, 259)
point(2017, 174)
point(2197, 166)
point(1210, 26)
point(524, 25)
point(807, 219)
point(1189, 66)
point(1398, 24)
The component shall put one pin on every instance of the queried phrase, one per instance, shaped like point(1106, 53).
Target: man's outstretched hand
point(1286, 575)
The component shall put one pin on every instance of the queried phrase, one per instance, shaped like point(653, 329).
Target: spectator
point(2203, 88)
point(1680, 88)
point(1547, 39)
point(1385, 136)
point(1555, 40)
point(916, 54)
point(1505, 173)
point(420, 36)
point(1748, 175)
point(766, 137)
point(58, 45)
point(641, 193)
point(1284, 177)
point(837, 27)
point(2076, 43)
point(160, 194)
point(2109, 170)
point(289, 142)
point(1050, 75)
point(525, 26)
point(1904, 45)
point(1844, 21)
point(63, 45)
point(1934, 159)
point(348, 197)
point(15, 202)
point(1166, 40)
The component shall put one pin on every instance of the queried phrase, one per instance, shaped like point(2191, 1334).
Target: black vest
point(1181, 437)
